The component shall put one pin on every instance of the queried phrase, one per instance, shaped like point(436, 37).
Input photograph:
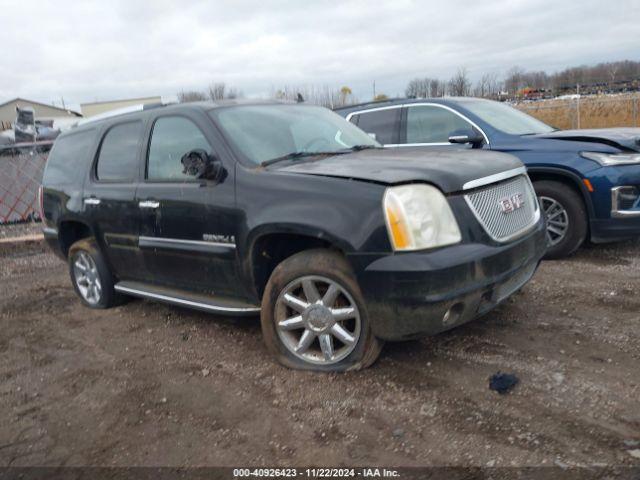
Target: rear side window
point(171, 138)
point(118, 157)
point(69, 158)
point(385, 124)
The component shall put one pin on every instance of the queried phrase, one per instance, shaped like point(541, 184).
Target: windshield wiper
point(295, 155)
point(357, 148)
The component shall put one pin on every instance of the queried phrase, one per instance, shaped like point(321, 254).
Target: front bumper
point(410, 295)
point(625, 216)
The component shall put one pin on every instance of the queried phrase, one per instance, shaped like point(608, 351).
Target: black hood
point(622, 138)
point(449, 170)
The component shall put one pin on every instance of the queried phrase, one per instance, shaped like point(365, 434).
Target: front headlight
point(606, 159)
point(418, 217)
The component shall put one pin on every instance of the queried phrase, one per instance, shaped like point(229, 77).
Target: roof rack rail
point(122, 111)
point(151, 106)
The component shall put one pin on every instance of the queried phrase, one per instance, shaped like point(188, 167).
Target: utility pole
point(578, 104)
point(374, 89)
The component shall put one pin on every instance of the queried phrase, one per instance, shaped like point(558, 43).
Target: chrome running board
point(186, 299)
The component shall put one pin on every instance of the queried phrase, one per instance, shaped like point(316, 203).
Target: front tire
point(90, 275)
point(566, 218)
point(314, 316)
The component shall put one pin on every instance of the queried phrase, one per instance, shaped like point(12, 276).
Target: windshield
point(506, 118)
point(267, 132)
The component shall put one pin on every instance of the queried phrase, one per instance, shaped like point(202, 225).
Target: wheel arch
point(70, 231)
point(271, 246)
point(568, 178)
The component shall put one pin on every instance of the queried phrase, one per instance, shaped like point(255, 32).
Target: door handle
point(148, 204)
point(92, 201)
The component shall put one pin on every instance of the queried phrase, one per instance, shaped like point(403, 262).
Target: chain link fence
point(586, 112)
point(21, 169)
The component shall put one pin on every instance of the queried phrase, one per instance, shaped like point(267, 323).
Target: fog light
point(452, 315)
point(625, 201)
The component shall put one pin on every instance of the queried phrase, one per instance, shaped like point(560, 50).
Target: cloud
point(86, 51)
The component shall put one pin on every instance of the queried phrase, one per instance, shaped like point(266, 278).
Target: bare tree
point(219, 91)
point(425, 88)
point(488, 86)
point(216, 91)
point(437, 88)
point(323, 95)
point(418, 88)
point(186, 96)
point(513, 81)
point(459, 85)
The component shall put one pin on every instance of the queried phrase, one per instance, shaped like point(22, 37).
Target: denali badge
point(210, 237)
point(509, 204)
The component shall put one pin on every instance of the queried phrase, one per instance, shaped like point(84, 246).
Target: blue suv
point(587, 181)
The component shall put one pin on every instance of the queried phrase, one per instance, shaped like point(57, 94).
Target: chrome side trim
point(479, 182)
point(182, 301)
point(173, 241)
point(421, 104)
point(50, 231)
point(396, 145)
point(615, 213)
point(375, 109)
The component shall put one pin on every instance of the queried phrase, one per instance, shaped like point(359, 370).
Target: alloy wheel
point(557, 220)
point(317, 320)
point(85, 274)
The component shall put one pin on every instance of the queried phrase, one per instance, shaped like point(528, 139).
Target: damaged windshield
point(265, 134)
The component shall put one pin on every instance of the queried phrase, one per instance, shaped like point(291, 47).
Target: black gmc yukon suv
point(289, 211)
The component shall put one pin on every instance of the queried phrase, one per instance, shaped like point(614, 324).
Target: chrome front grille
point(505, 209)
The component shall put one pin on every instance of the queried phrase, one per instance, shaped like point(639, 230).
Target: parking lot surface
point(151, 384)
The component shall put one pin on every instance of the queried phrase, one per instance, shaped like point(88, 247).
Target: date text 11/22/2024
point(315, 472)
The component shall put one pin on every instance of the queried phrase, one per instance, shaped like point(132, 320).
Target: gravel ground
point(151, 384)
point(20, 229)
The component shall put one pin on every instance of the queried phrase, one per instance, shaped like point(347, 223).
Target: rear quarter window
point(118, 157)
point(69, 158)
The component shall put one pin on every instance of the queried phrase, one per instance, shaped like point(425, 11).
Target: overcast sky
point(86, 51)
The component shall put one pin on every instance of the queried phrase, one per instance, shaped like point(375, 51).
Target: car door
point(432, 125)
point(187, 224)
point(109, 198)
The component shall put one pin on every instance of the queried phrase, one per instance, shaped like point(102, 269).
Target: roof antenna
point(300, 98)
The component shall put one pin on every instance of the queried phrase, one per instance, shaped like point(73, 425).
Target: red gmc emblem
point(509, 204)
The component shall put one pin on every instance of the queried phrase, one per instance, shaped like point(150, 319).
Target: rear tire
point(90, 275)
point(314, 316)
point(566, 217)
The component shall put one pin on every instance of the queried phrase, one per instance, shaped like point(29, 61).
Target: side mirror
point(471, 136)
point(199, 163)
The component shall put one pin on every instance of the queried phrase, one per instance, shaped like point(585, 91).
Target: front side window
point(266, 132)
point(384, 124)
point(429, 124)
point(171, 138)
point(118, 157)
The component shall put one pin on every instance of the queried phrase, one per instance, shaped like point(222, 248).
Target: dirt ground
point(151, 384)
